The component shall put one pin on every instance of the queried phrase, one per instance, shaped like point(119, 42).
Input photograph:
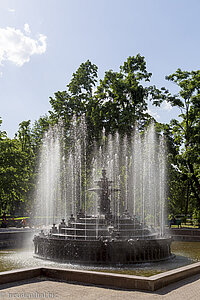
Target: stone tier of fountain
point(102, 239)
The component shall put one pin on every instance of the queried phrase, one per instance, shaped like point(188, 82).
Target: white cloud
point(166, 106)
point(153, 114)
point(1, 74)
point(27, 28)
point(17, 47)
point(12, 10)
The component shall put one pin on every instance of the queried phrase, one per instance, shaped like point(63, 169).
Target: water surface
point(186, 253)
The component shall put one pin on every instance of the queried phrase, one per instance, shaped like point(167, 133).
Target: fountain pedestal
point(103, 239)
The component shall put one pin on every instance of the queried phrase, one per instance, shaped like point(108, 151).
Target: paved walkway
point(44, 288)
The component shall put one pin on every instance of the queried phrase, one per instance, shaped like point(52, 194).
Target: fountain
point(118, 222)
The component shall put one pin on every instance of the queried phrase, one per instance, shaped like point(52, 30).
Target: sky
point(43, 42)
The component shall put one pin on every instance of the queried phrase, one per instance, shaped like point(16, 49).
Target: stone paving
point(45, 288)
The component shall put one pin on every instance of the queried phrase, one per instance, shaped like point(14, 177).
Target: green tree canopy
point(116, 103)
point(185, 131)
point(123, 96)
point(16, 170)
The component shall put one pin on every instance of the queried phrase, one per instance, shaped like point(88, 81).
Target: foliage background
point(117, 103)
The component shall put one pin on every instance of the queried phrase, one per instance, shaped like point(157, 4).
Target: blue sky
point(42, 42)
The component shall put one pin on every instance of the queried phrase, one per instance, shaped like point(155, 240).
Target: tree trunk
point(187, 198)
point(195, 179)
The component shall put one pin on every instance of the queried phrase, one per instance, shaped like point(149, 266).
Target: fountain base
point(109, 253)
point(92, 240)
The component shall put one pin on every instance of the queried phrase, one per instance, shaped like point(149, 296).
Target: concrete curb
point(106, 279)
point(185, 234)
point(166, 278)
point(14, 238)
point(17, 275)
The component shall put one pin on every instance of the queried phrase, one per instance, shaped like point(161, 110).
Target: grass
point(187, 225)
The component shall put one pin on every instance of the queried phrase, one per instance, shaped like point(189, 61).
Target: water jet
point(114, 206)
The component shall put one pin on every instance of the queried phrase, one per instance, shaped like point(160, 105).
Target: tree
point(123, 97)
point(186, 133)
point(37, 132)
point(75, 101)
point(117, 103)
point(17, 161)
point(24, 136)
point(14, 175)
point(3, 134)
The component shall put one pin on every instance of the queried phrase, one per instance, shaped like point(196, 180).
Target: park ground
point(43, 288)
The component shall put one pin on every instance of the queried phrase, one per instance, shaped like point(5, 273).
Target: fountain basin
point(106, 240)
point(103, 252)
